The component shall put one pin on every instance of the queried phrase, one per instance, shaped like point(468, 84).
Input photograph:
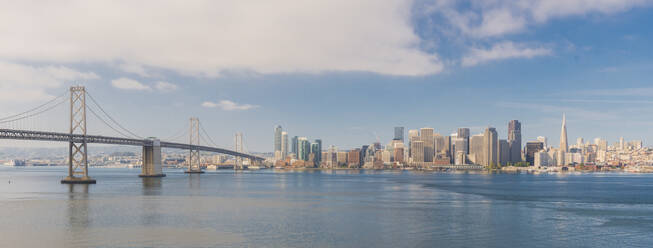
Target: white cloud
point(481, 19)
point(21, 83)
point(503, 50)
point(165, 86)
point(228, 105)
point(207, 37)
point(129, 84)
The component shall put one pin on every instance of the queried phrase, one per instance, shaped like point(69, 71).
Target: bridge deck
point(97, 139)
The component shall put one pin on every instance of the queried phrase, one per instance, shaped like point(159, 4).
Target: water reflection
point(78, 213)
point(151, 186)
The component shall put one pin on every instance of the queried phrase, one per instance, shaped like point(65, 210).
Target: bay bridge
point(78, 138)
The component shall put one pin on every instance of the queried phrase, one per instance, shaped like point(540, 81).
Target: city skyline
point(591, 62)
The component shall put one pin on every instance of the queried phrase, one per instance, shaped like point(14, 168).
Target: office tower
point(504, 152)
point(412, 136)
point(399, 134)
point(531, 148)
point(284, 145)
point(318, 152)
point(332, 156)
point(580, 142)
point(476, 149)
point(426, 136)
point(304, 148)
point(463, 133)
point(563, 135)
point(544, 141)
point(417, 148)
point(461, 146)
point(514, 140)
point(438, 143)
point(490, 149)
point(277, 138)
point(447, 148)
point(293, 144)
point(621, 143)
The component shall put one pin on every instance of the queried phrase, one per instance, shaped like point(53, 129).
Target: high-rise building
point(490, 149)
point(564, 147)
point(277, 138)
point(304, 148)
point(426, 136)
point(439, 143)
point(622, 144)
point(399, 134)
point(293, 144)
point(514, 140)
point(463, 133)
point(354, 158)
point(417, 148)
point(318, 152)
point(504, 152)
point(531, 148)
point(413, 135)
point(476, 149)
point(284, 145)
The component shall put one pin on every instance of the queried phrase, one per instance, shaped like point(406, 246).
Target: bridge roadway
point(96, 139)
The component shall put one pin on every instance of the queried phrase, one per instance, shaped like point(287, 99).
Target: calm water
point(324, 209)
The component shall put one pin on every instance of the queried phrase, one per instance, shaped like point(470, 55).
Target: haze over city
point(345, 75)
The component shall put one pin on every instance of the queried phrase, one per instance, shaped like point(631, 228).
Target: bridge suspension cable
point(33, 109)
point(106, 123)
point(28, 114)
point(208, 136)
point(110, 118)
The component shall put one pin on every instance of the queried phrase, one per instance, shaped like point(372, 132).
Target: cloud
point(21, 83)
point(165, 86)
point(207, 38)
point(503, 50)
point(481, 19)
point(228, 105)
point(129, 84)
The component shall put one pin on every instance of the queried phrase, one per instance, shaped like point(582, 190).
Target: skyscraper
point(318, 152)
point(426, 136)
point(277, 138)
point(504, 152)
point(514, 140)
point(531, 148)
point(284, 145)
point(294, 146)
point(417, 148)
point(463, 134)
point(563, 135)
point(304, 148)
point(490, 149)
point(399, 134)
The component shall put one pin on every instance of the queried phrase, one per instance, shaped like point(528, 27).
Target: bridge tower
point(238, 145)
point(194, 156)
point(77, 152)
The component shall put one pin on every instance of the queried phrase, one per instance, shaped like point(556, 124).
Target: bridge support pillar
point(152, 160)
point(77, 152)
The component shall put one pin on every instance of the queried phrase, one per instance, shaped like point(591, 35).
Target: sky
point(343, 71)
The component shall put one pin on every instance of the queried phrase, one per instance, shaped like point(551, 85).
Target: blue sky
point(342, 71)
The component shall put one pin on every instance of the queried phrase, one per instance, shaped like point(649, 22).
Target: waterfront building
point(531, 148)
point(354, 158)
point(417, 148)
point(277, 138)
point(304, 148)
point(426, 136)
point(342, 158)
point(284, 145)
point(399, 154)
point(413, 135)
point(514, 141)
point(476, 149)
point(399, 134)
point(439, 144)
point(490, 149)
point(463, 134)
point(563, 135)
point(318, 151)
point(293, 144)
point(504, 152)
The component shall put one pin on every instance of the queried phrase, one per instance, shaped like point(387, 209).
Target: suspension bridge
point(78, 138)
